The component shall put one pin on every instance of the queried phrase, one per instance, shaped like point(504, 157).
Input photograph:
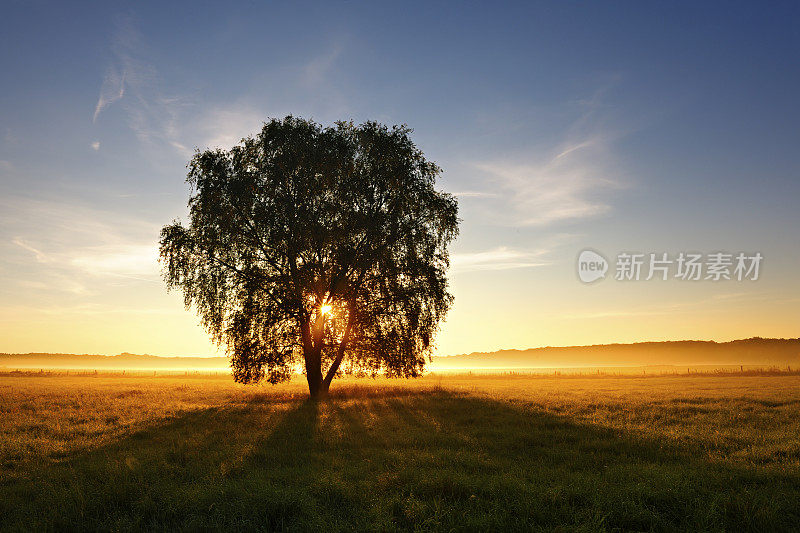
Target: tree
point(309, 247)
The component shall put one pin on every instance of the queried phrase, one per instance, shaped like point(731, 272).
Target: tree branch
point(340, 354)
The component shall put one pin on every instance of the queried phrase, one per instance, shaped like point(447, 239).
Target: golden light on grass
point(145, 433)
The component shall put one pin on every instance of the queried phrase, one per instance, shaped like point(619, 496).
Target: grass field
point(441, 453)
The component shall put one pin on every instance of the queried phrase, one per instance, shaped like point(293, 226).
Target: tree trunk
point(316, 386)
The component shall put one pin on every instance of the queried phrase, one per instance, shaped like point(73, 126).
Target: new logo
point(591, 266)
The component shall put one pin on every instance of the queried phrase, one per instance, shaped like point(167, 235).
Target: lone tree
point(316, 246)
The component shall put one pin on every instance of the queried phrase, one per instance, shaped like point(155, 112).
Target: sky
point(632, 127)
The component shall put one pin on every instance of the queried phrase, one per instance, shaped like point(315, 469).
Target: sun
point(325, 309)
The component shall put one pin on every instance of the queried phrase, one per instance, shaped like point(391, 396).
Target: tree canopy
point(322, 248)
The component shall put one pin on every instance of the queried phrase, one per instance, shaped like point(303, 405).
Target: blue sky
point(561, 126)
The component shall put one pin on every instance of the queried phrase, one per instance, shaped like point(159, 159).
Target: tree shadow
point(394, 458)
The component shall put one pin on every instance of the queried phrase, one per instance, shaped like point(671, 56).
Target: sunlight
point(325, 309)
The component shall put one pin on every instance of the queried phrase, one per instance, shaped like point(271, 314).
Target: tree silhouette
point(316, 246)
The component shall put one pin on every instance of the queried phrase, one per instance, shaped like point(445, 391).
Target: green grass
point(470, 454)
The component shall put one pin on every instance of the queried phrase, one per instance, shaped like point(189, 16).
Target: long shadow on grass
point(394, 459)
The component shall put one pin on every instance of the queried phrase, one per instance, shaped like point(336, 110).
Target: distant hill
point(754, 351)
point(123, 361)
point(749, 352)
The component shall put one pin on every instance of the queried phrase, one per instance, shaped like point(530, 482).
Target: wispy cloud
point(475, 194)
point(695, 305)
point(223, 127)
point(69, 246)
point(132, 260)
point(501, 258)
point(161, 117)
point(40, 256)
point(571, 179)
point(50, 282)
point(133, 81)
point(112, 89)
point(317, 70)
point(89, 309)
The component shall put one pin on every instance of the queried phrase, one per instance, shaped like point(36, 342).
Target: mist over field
point(657, 356)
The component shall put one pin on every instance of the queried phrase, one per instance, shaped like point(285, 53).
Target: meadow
point(446, 452)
